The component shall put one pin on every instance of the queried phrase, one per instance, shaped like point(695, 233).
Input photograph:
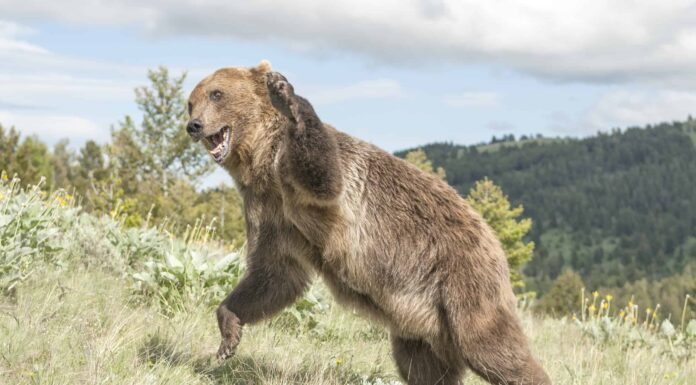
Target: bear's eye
point(216, 95)
point(190, 107)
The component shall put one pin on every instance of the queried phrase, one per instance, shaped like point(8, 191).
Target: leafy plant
point(305, 313)
point(28, 230)
point(629, 329)
point(188, 275)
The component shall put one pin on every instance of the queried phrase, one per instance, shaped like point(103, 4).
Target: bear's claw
point(226, 350)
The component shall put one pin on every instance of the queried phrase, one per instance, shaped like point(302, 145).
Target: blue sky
point(395, 73)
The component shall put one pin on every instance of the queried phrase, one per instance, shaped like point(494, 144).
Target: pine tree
point(490, 201)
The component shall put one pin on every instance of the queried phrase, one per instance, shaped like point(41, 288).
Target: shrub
point(188, 275)
point(564, 296)
point(28, 230)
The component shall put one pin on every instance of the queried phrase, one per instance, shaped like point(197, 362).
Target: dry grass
point(83, 328)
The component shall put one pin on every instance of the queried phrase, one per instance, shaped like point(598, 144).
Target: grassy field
point(85, 300)
point(83, 327)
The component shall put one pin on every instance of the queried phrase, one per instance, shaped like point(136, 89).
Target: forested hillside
point(617, 207)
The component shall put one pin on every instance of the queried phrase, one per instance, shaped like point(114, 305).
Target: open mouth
point(219, 144)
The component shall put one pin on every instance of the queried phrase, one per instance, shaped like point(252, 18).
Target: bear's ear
point(263, 67)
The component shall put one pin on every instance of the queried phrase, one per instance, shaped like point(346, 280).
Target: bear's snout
point(194, 128)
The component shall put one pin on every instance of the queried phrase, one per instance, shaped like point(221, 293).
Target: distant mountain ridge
point(616, 207)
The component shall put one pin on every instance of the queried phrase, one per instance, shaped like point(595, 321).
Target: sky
point(395, 73)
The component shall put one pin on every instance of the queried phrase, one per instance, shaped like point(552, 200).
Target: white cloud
point(573, 40)
point(369, 89)
point(624, 108)
point(42, 89)
point(472, 99)
point(10, 34)
point(12, 29)
point(51, 128)
point(56, 96)
point(20, 56)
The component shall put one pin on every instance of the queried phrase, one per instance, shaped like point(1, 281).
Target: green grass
point(83, 327)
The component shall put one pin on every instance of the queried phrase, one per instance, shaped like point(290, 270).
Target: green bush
point(188, 276)
point(38, 230)
point(564, 296)
point(28, 231)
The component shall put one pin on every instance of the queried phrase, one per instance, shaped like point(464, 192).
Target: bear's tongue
point(217, 138)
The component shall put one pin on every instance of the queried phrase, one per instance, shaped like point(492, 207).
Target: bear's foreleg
point(266, 289)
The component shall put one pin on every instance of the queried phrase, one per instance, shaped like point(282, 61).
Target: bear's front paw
point(227, 349)
point(229, 343)
point(230, 331)
point(281, 92)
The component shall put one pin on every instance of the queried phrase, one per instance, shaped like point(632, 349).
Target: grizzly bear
point(393, 242)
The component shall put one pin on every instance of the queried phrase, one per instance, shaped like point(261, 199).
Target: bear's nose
point(194, 127)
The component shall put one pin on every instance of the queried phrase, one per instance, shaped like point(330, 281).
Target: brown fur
point(397, 244)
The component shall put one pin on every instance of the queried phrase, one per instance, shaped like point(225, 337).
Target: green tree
point(90, 166)
point(420, 159)
point(489, 200)
point(62, 162)
point(167, 151)
point(126, 158)
point(9, 142)
point(564, 296)
point(33, 161)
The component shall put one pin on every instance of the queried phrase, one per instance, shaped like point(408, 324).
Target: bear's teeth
point(220, 144)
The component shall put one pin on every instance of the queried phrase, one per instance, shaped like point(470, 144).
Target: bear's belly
point(407, 312)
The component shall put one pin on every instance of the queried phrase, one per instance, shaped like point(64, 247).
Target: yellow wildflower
point(61, 201)
point(609, 297)
point(595, 294)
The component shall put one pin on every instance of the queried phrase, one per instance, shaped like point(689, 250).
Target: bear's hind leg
point(418, 364)
point(499, 353)
point(523, 370)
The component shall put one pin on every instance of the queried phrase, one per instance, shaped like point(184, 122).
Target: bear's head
point(230, 108)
